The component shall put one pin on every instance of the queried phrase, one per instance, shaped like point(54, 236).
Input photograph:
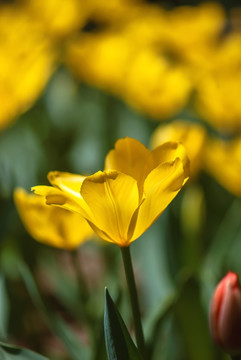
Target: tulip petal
point(190, 134)
point(229, 317)
point(57, 197)
point(100, 233)
point(113, 198)
point(160, 187)
point(49, 224)
point(69, 183)
point(129, 157)
point(169, 151)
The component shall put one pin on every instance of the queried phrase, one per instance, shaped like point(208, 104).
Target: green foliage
point(119, 344)
point(10, 352)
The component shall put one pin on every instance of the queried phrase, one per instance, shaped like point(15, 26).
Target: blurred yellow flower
point(123, 201)
point(222, 160)
point(58, 18)
point(101, 59)
point(191, 135)
point(190, 29)
point(217, 81)
point(26, 63)
point(51, 225)
point(147, 27)
point(218, 100)
point(155, 86)
point(113, 13)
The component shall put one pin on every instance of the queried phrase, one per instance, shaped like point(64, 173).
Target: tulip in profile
point(51, 225)
point(225, 314)
point(123, 201)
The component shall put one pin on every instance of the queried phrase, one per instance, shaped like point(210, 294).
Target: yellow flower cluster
point(26, 62)
point(119, 203)
point(156, 60)
point(128, 58)
point(30, 35)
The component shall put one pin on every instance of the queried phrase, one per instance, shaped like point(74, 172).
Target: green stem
point(126, 256)
point(82, 287)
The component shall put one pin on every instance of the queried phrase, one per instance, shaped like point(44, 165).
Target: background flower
point(50, 225)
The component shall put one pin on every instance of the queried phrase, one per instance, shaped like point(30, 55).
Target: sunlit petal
point(56, 197)
point(169, 151)
point(160, 187)
point(70, 183)
point(129, 157)
point(191, 135)
point(113, 198)
point(49, 224)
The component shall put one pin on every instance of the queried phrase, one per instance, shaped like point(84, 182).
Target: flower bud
point(225, 314)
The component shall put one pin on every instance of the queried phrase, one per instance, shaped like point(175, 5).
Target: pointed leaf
point(4, 308)
point(10, 352)
point(119, 345)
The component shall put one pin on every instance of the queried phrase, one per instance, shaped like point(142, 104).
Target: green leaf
point(119, 345)
point(10, 352)
point(4, 308)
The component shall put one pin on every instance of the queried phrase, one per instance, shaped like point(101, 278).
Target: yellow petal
point(191, 135)
point(51, 225)
point(69, 183)
point(160, 187)
point(113, 198)
point(67, 192)
point(57, 197)
point(134, 159)
point(168, 152)
point(129, 157)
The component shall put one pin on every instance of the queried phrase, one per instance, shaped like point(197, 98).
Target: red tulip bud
point(225, 314)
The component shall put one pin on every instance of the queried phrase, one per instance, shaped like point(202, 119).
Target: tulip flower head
point(123, 201)
point(51, 225)
point(225, 314)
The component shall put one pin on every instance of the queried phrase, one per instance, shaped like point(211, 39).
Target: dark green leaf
point(4, 308)
point(119, 344)
point(10, 352)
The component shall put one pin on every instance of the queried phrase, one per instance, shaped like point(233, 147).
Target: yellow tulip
point(27, 60)
point(154, 86)
point(123, 201)
point(101, 59)
point(51, 225)
point(223, 161)
point(191, 135)
point(218, 100)
point(190, 29)
point(58, 18)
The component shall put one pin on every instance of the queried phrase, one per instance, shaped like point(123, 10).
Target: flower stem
point(126, 256)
